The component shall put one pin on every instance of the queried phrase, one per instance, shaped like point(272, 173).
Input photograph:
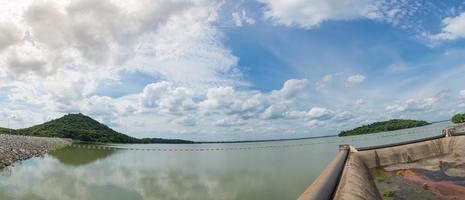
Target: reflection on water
point(80, 156)
point(147, 175)
point(94, 174)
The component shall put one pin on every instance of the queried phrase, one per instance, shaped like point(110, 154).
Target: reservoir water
point(277, 170)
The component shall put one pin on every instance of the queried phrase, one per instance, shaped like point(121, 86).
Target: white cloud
point(9, 35)
point(275, 111)
point(355, 79)
point(291, 89)
point(188, 49)
point(318, 113)
point(167, 98)
point(295, 114)
point(462, 94)
point(343, 116)
point(225, 106)
point(317, 116)
point(186, 121)
point(228, 101)
point(412, 105)
point(324, 81)
point(103, 108)
point(220, 97)
point(56, 55)
point(251, 104)
point(453, 28)
point(315, 123)
point(24, 93)
point(229, 121)
point(64, 50)
point(310, 13)
point(359, 102)
point(239, 18)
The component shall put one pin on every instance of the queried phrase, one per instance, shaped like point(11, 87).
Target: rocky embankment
point(16, 147)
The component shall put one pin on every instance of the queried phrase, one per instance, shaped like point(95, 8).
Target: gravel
point(17, 147)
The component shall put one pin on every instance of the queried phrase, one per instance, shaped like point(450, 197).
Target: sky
point(231, 70)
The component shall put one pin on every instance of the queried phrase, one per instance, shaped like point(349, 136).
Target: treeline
point(6, 130)
point(391, 125)
point(458, 118)
point(84, 128)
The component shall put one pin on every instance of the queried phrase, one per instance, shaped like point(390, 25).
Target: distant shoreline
point(180, 141)
point(300, 138)
point(267, 140)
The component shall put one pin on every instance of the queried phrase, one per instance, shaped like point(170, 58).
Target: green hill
point(6, 130)
point(391, 125)
point(84, 128)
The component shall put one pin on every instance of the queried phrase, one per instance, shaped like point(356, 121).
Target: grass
point(389, 193)
point(379, 175)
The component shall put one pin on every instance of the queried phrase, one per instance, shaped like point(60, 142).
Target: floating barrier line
point(260, 147)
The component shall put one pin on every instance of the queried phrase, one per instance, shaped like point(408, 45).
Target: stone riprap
point(17, 147)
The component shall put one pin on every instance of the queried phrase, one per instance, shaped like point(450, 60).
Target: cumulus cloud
point(343, 116)
point(355, 79)
point(28, 58)
point(241, 18)
point(65, 50)
point(275, 111)
point(229, 121)
point(317, 116)
point(9, 35)
point(226, 105)
point(315, 123)
point(318, 113)
point(56, 55)
point(413, 105)
point(167, 98)
point(308, 14)
point(93, 29)
point(228, 101)
point(291, 89)
point(99, 106)
point(185, 121)
point(24, 93)
point(452, 28)
point(253, 104)
point(462, 94)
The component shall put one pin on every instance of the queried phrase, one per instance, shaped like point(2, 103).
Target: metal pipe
point(400, 143)
point(326, 184)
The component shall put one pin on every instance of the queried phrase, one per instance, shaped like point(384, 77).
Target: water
point(418, 184)
point(264, 170)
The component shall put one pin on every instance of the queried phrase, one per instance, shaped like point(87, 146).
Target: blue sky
point(231, 70)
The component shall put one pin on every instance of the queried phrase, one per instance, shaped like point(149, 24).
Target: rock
point(425, 186)
point(16, 148)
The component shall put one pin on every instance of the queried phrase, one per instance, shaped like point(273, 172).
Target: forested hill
point(391, 125)
point(6, 130)
point(83, 128)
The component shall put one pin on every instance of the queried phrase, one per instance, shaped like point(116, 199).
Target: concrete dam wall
point(434, 165)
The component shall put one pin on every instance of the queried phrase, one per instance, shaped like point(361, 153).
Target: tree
point(458, 118)
point(391, 125)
